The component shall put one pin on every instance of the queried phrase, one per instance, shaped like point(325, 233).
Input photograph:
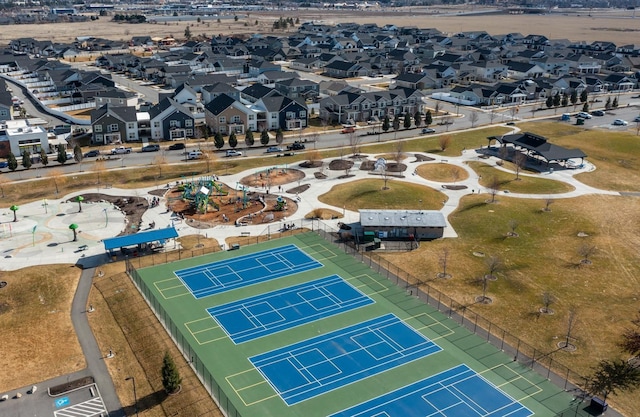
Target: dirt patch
point(299, 189)
point(367, 165)
point(320, 176)
point(311, 164)
point(132, 207)
point(423, 158)
point(454, 187)
point(71, 385)
point(272, 177)
point(340, 164)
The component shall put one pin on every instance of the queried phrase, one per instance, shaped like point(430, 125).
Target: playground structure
point(200, 191)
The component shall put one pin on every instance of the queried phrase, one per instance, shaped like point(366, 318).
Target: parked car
point(272, 149)
point(233, 152)
point(620, 122)
point(295, 146)
point(637, 119)
point(583, 115)
point(348, 129)
point(195, 155)
point(92, 153)
point(4, 164)
point(428, 130)
point(598, 112)
point(150, 148)
point(176, 146)
point(120, 150)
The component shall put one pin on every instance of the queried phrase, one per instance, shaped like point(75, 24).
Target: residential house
point(298, 88)
point(171, 120)
point(282, 112)
point(113, 96)
point(113, 124)
point(225, 114)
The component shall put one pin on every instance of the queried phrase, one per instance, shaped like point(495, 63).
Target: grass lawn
point(442, 172)
point(369, 194)
point(35, 309)
point(614, 153)
point(526, 184)
point(545, 257)
point(458, 141)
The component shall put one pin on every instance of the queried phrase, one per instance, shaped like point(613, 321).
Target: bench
point(245, 233)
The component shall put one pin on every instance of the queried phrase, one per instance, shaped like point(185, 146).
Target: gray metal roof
point(406, 218)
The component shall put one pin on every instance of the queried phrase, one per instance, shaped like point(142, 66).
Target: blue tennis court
point(456, 392)
point(254, 317)
point(312, 367)
point(241, 271)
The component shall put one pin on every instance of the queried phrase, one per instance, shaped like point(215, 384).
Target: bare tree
point(444, 262)
point(519, 161)
point(444, 141)
point(547, 204)
point(314, 157)
point(399, 154)
point(447, 120)
point(513, 111)
point(513, 225)
point(99, 168)
point(160, 161)
point(473, 118)
point(492, 115)
point(57, 175)
point(631, 337)
point(436, 109)
point(3, 182)
point(547, 300)
point(494, 187)
point(585, 251)
point(571, 324)
point(354, 143)
point(494, 265)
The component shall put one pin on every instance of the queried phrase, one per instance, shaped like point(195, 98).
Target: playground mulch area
point(252, 208)
point(272, 177)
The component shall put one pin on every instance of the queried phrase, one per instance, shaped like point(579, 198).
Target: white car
point(584, 115)
point(195, 154)
point(620, 122)
point(233, 153)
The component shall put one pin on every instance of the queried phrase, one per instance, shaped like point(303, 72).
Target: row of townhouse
point(167, 120)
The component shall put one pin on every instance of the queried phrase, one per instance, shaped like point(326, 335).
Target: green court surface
point(241, 390)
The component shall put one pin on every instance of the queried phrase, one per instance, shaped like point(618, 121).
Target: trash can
point(579, 121)
point(598, 405)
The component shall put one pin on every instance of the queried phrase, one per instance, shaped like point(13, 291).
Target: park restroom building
point(403, 224)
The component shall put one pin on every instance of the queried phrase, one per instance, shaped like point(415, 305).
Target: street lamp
point(135, 396)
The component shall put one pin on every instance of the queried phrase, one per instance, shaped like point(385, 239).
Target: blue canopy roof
point(140, 237)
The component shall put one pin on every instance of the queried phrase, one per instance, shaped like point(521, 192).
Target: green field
point(241, 390)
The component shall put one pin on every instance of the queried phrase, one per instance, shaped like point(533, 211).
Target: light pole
point(135, 396)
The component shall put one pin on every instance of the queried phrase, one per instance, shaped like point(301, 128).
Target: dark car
point(296, 146)
point(92, 153)
point(4, 164)
point(598, 113)
point(428, 130)
point(150, 148)
point(176, 146)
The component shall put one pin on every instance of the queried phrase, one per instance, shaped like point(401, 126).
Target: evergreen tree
point(218, 140)
point(407, 120)
point(417, 119)
point(248, 139)
point(233, 140)
point(565, 100)
point(187, 33)
point(574, 97)
point(557, 100)
point(585, 107)
point(428, 119)
point(62, 154)
point(170, 376)
point(12, 162)
point(279, 136)
point(26, 159)
point(549, 102)
point(607, 105)
point(396, 122)
point(77, 153)
point(385, 123)
point(264, 137)
point(615, 103)
point(44, 158)
point(584, 96)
